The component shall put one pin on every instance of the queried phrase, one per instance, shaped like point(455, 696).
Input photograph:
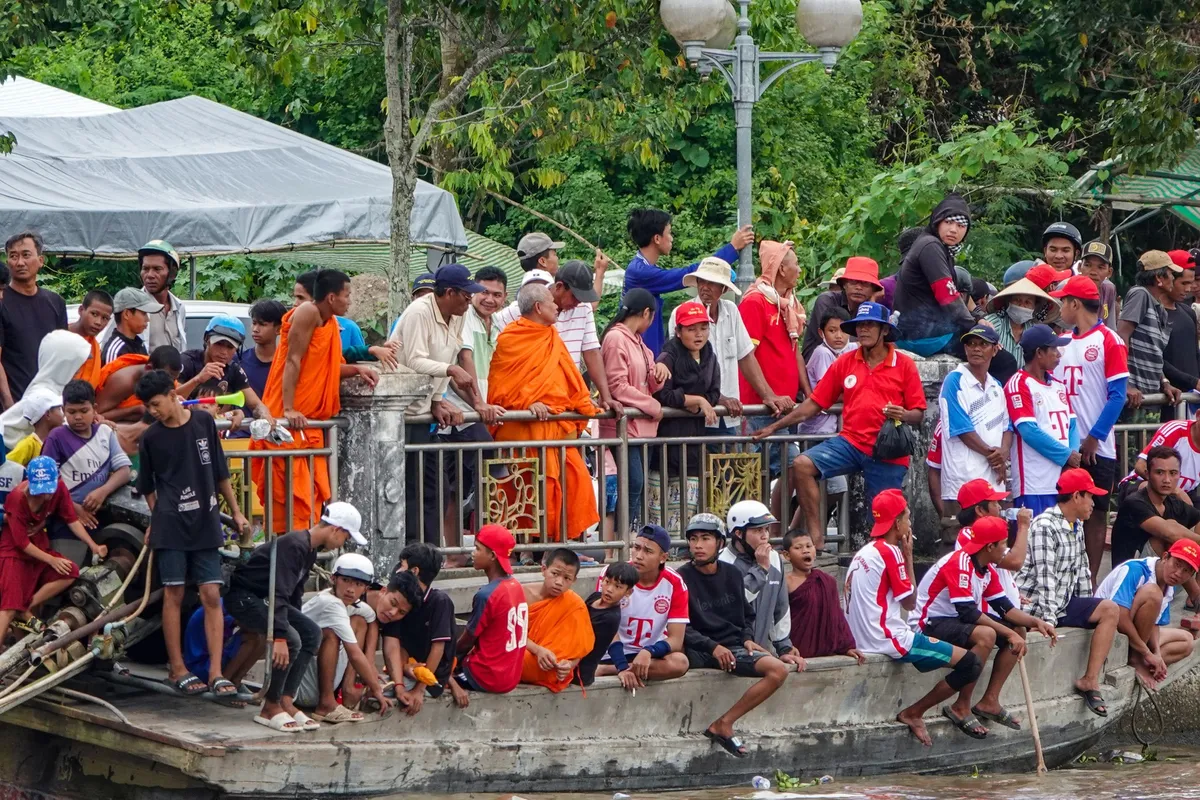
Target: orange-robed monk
point(532, 369)
point(304, 385)
point(560, 627)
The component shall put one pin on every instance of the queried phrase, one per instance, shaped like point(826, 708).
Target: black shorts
point(1078, 612)
point(949, 629)
point(744, 661)
point(188, 567)
point(1104, 475)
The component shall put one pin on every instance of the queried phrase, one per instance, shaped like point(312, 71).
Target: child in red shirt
point(492, 648)
point(30, 572)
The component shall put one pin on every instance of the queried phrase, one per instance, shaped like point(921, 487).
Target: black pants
point(303, 639)
point(426, 480)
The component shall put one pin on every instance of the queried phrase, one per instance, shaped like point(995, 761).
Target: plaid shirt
point(1056, 568)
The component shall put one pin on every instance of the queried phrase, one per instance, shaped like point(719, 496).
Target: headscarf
point(770, 256)
point(60, 356)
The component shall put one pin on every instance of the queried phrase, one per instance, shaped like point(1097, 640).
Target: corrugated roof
point(22, 97)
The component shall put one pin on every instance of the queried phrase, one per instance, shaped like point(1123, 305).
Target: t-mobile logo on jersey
point(639, 630)
point(1073, 378)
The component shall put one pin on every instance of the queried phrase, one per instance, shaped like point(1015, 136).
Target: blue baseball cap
point(1016, 272)
point(657, 534)
point(988, 334)
point(42, 474)
point(225, 328)
point(424, 281)
point(871, 312)
point(456, 276)
point(1036, 336)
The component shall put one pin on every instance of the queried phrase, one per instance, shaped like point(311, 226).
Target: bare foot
point(1143, 675)
point(916, 725)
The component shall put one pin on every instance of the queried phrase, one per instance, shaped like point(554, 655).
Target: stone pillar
point(371, 458)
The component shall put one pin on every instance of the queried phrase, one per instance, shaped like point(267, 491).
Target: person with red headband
point(1143, 590)
point(878, 587)
point(1058, 582)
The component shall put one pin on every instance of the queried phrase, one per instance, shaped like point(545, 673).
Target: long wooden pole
point(1033, 726)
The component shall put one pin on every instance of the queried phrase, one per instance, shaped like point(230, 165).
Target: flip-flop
point(339, 715)
point(281, 722)
point(968, 724)
point(1003, 718)
point(732, 744)
point(1095, 702)
point(305, 722)
point(188, 685)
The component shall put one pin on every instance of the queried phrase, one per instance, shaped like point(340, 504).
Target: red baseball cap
point(1182, 258)
point(1043, 275)
point(1077, 480)
point(886, 508)
point(1080, 286)
point(985, 531)
point(1186, 551)
point(497, 539)
point(977, 491)
point(690, 313)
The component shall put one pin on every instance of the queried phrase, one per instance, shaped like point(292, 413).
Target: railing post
point(623, 482)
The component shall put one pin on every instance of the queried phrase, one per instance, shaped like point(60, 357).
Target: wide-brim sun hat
point(1023, 286)
point(869, 311)
point(713, 270)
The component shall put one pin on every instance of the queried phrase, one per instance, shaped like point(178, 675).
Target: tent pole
point(191, 277)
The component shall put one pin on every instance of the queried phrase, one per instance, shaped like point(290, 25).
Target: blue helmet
point(227, 328)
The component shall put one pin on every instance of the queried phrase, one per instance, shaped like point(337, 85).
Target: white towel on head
point(60, 356)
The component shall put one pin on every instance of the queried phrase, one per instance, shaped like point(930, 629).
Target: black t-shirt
point(118, 344)
point(183, 466)
point(24, 322)
point(605, 623)
point(717, 609)
point(1128, 537)
point(418, 630)
point(193, 362)
point(1181, 356)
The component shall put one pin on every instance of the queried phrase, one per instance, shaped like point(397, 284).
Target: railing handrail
point(523, 415)
point(320, 424)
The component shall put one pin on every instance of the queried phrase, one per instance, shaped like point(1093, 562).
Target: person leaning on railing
point(876, 383)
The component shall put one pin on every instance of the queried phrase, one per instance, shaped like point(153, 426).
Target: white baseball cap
point(36, 403)
point(356, 566)
point(537, 275)
point(345, 516)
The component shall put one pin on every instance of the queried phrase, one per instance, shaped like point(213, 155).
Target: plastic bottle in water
point(826, 779)
point(620, 796)
point(759, 782)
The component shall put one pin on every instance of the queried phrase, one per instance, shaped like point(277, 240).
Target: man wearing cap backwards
point(1143, 590)
point(1096, 264)
point(731, 343)
point(1181, 357)
point(1144, 328)
point(976, 430)
point(1095, 371)
point(1058, 580)
point(159, 266)
point(878, 586)
point(349, 632)
point(27, 314)
point(1047, 431)
point(649, 643)
point(305, 383)
point(294, 638)
point(131, 316)
point(877, 384)
point(857, 283)
point(720, 634)
point(532, 370)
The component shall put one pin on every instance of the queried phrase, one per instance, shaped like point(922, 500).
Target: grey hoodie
point(766, 592)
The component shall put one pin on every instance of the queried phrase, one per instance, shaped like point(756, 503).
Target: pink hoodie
point(629, 365)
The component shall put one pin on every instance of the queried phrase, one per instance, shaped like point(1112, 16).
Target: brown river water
point(1175, 774)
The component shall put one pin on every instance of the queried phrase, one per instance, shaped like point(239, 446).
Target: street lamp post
point(701, 27)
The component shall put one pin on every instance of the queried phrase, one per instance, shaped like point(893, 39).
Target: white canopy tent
point(98, 181)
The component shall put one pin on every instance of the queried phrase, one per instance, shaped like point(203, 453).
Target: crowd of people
point(1029, 415)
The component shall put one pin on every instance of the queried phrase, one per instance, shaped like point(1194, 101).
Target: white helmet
point(356, 566)
point(748, 514)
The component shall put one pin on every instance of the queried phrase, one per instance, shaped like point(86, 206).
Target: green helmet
point(160, 246)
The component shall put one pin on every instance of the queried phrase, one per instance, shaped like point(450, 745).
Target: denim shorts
point(610, 494)
point(188, 567)
point(836, 456)
point(773, 448)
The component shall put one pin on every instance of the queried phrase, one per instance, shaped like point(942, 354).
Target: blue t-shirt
point(351, 334)
point(1126, 578)
point(195, 645)
point(256, 371)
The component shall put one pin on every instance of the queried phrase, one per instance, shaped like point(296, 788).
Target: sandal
point(188, 685)
point(732, 744)
point(1095, 702)
point(1002, 718)
point(281, 722)
point(305, 722)
point(968, 724)
point(339, 715)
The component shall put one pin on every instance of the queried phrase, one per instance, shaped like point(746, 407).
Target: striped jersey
point(1089, 361)
point(876, 583)
point(1047, 406)
point(952, 580)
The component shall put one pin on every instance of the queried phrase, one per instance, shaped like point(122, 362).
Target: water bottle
point(759, 782)
point(826, 779)
point(620, 796)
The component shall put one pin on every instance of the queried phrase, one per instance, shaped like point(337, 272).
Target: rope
point(1145, 741)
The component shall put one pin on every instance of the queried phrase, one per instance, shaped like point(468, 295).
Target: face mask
point(1019, 315)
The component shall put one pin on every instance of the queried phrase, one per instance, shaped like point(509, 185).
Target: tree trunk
point(452, 67)
point(397, 63)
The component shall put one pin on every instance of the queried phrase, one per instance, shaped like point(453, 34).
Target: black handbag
point(895, 440)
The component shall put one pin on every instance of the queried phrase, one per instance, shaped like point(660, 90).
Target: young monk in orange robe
point(115, 399)
point(305, 384)
point(560, 628)
point(531, 369)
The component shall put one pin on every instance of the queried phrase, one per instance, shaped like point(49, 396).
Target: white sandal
point(306, 723)
point(339, 715)
point(281, 722)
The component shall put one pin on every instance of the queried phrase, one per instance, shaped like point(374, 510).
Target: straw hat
point(713, 270)
point(1023, 286)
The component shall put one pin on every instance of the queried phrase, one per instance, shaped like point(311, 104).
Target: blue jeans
point(927, 347)
point(773, 448)
point(637, 484)
point(836, 456)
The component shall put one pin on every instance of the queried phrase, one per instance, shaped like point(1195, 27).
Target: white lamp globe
point(829, 23)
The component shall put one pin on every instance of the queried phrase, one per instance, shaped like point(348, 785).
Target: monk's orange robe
point(318, 397)
point(562, 625)
point(531, 365)
point(116, 365)
point(91, 369)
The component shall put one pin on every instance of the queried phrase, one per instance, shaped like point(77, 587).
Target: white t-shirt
point(647, 611)
point(876, 583)
point(731, 342)
point(1177, 434)
point(577, 328)
point(1089, 361)
point(950, 581)
point(968, 406)
point(1046, 405)
point(330, 613)
point(1127, 577)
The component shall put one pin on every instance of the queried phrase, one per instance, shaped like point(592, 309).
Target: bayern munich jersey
point(647, 611)
point(952, 580)
point(1045, 405)
point(1177, 434)
point(1089, 361)
point(1007, 582)
point(934, 457)
point(876, 582)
